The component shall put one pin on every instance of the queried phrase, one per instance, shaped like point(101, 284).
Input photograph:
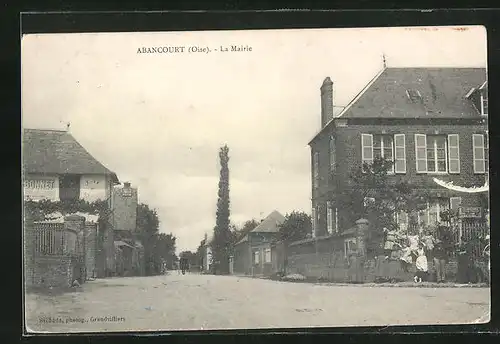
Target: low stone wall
point(54, 271)
point(334, 267)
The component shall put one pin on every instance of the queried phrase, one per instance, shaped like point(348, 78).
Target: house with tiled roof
point(57, 167)
point(252, 253)
point(431, 122)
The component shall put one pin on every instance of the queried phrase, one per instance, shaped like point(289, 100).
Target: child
point(421, 265)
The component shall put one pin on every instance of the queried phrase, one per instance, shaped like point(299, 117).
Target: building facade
point(431, 122)
point(253, 253)
point(57, 167)
point(128, 246)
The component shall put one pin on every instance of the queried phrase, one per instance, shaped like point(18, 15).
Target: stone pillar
point(362, 229)
point(77, 224)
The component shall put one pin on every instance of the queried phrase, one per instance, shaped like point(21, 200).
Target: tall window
point(256, 257)
point(431, 215)
point(436, 153)
point(329, 217)
point(314, 221)
point(267, 255)
point(389, 147)
point(479, 153)
point(332, 153)
point(399, 153)
point(383, 147)
point(484, 105)
point(316, 170)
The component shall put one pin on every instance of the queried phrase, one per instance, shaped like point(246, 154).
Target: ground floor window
point(349, 246)
point(267, 255)
point(256, 257)
point(431, 214)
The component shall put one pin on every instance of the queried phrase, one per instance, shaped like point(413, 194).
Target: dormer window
point(414, 96)
point(484, 105)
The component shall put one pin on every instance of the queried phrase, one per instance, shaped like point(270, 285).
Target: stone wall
point(325, 258)
point(54, 271)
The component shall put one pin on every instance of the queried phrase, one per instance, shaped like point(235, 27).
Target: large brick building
point(431, 122)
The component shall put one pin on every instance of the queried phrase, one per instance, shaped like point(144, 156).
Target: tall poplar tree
point(222, 232)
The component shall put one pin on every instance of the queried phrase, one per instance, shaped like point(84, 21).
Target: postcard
point(255, 179)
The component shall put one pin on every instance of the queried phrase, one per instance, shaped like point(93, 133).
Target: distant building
point(431, 122)
point(252, 254)
point(129, 249)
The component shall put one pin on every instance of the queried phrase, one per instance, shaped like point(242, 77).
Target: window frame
point(457, 159)
point(364, 159)
point(332, 153)
point(381, 137)
point(435, 149)
point(419, 158)
point(483, 100)
point(267, 253)
point(474, 157)
point(402, 159)
point(315, 170)
point(329, 217)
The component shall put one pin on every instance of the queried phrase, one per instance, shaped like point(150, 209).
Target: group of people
point(420, 247)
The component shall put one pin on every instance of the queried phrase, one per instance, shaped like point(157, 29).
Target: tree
point(148, 225)
point(297, 226)
point(247, 227)
point(376, 197)
point(221, 243)
point(163, 251)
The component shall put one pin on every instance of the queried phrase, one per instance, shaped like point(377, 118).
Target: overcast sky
point(158, 120)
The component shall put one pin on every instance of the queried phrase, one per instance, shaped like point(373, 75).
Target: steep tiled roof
point(442, 92)
point(57, 152)
point(270, 224)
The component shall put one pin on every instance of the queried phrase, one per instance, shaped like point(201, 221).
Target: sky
point(158, 120)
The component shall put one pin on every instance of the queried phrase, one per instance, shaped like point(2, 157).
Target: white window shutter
point(329, 217)
point(453, 153)
point(421, 153)
point(399, 153)
point(478, 153)
point(367, 148)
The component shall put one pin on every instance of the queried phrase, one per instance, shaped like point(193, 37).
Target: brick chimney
point(126, 185)
point(326, 101)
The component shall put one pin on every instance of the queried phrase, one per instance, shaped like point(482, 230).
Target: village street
point(193, 302)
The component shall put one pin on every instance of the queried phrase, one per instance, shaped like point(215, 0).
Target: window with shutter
point(316, 170)
point(421, 153)
point(484, 105)
point(478, 153)
point(332, 153)
point(437, 161)
point(329, 217)
point(367, 148)
point(453, 154)
point(399, 153)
